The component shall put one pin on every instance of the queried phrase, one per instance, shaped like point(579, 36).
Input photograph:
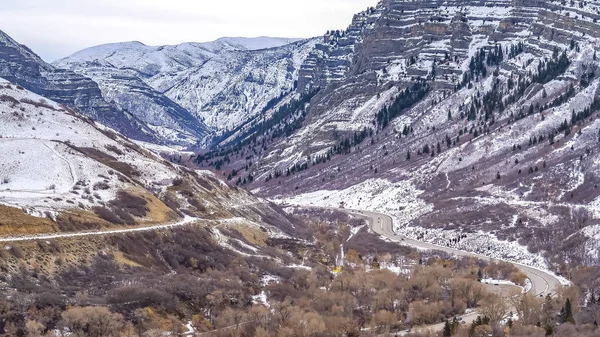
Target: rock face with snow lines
point(496, 138)
point(223, 83)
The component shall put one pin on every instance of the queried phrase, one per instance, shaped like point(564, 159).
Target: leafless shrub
point(197, 204)
point(101, 186)
point(202, 181)
point(107, 215)
point(171, 202)
point(132, 204)
point(114, 149)
point(9, 99)
point(39, 104)
point(187, 193)
point(17, 252)
point(133, 147)
point(366, 243)
point(581, 216)
point(109, 161)
point(126, 217)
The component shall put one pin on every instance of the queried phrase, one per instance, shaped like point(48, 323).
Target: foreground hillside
point(63, 172)
point(474, 123)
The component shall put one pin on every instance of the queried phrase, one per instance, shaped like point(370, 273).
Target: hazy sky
point(58, 28)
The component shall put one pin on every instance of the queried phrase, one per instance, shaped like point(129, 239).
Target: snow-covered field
point(379, 195)
point(42, 170)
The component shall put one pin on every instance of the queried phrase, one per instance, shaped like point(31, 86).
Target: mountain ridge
point(223, 83)
point(20, 65)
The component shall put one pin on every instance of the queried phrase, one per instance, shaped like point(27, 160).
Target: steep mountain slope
point(61, 172)
point(223, 83)
point(20, 65)
point(474, 122)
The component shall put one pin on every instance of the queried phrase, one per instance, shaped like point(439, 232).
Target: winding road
point(542, 282)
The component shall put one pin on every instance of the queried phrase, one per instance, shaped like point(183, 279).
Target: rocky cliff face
point(332, 58)
point(20, 65)
point(389, 46)
point(222, 84)
point(473, 119)
point(126, 90)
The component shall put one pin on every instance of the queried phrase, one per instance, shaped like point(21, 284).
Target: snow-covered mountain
point(62, 172)
point(223, 83)
point(22, 66)
point(474, 122)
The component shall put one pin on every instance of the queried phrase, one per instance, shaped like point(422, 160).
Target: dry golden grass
point(84, 217)
point(157, 320)
point(158, 212)
point(15, 222)
point(43, 257)
point(121, 260)
point(253, 235)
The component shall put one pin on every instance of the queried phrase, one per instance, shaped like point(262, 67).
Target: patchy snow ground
point(593, 245)
point(42, 172)
point(400, 201)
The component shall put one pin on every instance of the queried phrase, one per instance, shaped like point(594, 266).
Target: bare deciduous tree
point(93, 322)
point(495, 308)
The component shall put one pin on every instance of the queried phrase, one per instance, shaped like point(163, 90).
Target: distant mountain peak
point(223, 83)
point(257, 43)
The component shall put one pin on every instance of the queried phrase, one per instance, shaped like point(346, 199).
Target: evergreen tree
point(569, 312)
point(447, 329)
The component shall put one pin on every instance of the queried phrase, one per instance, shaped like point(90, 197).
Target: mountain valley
point(421, 167)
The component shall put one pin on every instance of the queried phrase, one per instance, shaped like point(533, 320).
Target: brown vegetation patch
point(8, 99)
point(110, 161)
point(14, 222)
point(40, 104)
point(252, 235)
point(81, 220)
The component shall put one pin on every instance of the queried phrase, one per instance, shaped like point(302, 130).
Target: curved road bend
point(542, 282)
